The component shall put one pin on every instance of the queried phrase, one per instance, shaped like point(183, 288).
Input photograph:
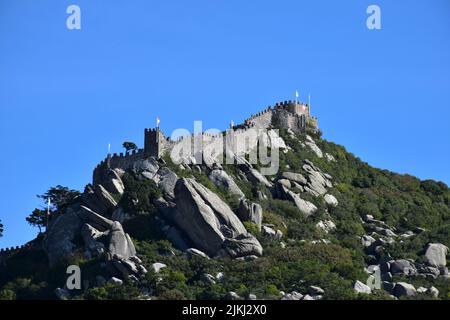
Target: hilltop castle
point(292, 115)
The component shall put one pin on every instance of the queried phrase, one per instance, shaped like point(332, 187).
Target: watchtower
point(153, 142)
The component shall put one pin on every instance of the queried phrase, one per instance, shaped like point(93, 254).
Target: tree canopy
point(129, 146)
point(60, 197)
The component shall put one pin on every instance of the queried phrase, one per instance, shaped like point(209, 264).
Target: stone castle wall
point(8, 252)
point(124, 161)
point(287, 114)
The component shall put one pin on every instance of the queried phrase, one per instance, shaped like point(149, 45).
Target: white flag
point(157, 121)
point(109, 147)
point(296, 93)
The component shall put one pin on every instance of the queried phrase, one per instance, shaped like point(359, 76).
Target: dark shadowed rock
point(105, 197)
point(90, 237)
point(149, 165)
point(176, 238)
point(208, 278)
point(63, 231)
point(404, 289)
point(97, 221)
point(120, 215)
point(113, 183)
point(62, 293)
point(403, 266)
point(167, 180)
point(99, 200)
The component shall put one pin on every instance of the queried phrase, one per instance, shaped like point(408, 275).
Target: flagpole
point(48, 215)
point(309, 104)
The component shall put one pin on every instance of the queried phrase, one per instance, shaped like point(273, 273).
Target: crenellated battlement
point(286, 114)
point(117, 160)
point(8, 252)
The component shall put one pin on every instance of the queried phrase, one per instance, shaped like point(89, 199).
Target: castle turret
point(153, 142)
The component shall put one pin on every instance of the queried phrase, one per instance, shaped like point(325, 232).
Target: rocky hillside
point(326, 226)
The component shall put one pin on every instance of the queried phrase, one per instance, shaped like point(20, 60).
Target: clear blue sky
point(64, 95)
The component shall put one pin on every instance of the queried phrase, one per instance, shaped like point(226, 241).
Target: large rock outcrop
point(92, 239)
point(99, 200)
point(113, 183)
point(103, 238)
point(120, 243)
point(61, 236)
point(96, 220)
point(208, 221)
point(167, 180)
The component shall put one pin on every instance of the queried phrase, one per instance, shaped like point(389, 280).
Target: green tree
point(60, 198)
point(129, 146)
point(38, 218)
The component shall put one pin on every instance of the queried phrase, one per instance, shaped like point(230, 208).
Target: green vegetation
point(139, 194)
point(59, 198)
point(402, 201)
point(38, 218)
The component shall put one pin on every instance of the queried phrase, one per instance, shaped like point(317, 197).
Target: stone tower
point(153, 142)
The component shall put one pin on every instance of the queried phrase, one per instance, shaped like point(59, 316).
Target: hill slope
point(323, 227)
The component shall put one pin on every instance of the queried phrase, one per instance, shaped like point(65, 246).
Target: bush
point(7, 294)
point(272, 290)
point(112, 291)
point(252, 228)
point(139, 194)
